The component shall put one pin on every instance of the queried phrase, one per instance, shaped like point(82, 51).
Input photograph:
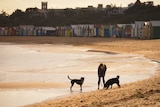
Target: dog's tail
point(69, 77)
point(118, 76)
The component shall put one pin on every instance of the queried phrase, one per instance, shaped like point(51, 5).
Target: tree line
point(73, 16)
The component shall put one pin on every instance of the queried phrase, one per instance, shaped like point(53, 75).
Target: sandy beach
point(121, 54)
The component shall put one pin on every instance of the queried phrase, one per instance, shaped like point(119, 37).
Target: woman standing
point(101, 73)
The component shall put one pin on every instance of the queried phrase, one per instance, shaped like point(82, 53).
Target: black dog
point(111, 82)
point(78, 81)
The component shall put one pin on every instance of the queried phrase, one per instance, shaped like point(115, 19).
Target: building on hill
point(44, 5)
point(150, 3)
point(138, 2)
point(116, 11)
point(100, 7)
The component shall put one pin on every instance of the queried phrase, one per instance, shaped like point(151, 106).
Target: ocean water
point(53, 63)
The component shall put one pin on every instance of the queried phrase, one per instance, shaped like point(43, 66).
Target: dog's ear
point(117, 76)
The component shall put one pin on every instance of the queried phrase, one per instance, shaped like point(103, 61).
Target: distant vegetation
point(70, 16)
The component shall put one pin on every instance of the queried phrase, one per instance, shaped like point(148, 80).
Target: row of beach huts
point(140, 29)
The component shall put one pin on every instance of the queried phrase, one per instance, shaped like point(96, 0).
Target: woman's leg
point(99, 80)
point(103, 81)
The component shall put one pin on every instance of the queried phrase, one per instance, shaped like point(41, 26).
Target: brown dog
point(77, 81)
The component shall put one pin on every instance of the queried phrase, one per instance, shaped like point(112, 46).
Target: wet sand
point(118, 62)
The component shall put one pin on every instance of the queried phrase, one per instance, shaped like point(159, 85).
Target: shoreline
point(31, 85)
point(48, 85)
point(141, 93)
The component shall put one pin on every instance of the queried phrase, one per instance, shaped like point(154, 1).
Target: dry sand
point(137, 94)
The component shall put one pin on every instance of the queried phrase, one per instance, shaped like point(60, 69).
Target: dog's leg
point(80, 87)
point(72, 83)
point(111, 86)
point(118, 85)
point(71, 88)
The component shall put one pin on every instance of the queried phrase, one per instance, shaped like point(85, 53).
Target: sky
point(9, 6)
